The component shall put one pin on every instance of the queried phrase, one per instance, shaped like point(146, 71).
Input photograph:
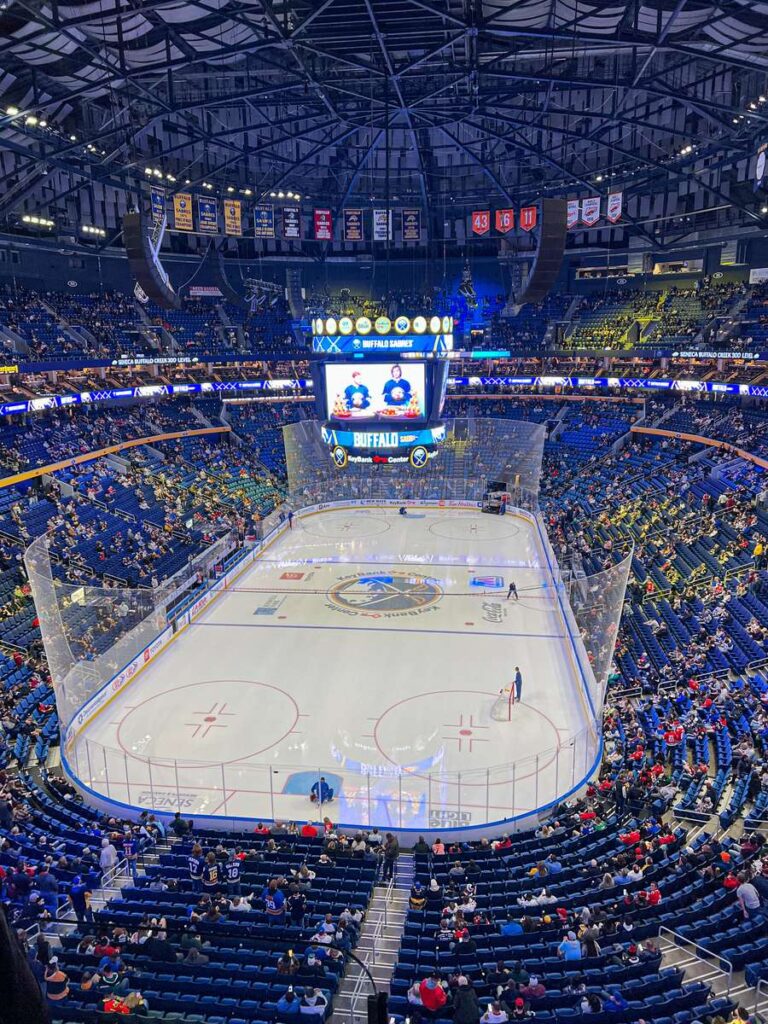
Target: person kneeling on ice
point(321, 792)
point(403, 510)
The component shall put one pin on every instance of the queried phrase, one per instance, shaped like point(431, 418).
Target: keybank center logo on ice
point(382, 596)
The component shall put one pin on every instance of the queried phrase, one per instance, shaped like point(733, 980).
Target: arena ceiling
point(443, 101)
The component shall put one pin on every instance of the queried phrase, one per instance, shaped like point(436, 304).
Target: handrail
point(682, 940)
point(711, 442)
point(53, 467)
point(761, 989)
point(369, 960)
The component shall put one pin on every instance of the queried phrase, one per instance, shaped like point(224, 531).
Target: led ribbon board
point(346, 334)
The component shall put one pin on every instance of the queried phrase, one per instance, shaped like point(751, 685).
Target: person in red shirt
point(309, 831)
point(432, 994)
point(654, 895)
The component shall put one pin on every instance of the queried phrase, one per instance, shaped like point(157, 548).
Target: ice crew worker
point(321, 792)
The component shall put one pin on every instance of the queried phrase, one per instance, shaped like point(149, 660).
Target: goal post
point(502, 706)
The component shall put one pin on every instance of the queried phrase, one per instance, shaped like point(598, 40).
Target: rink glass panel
point(476, 450)
point(92, 633)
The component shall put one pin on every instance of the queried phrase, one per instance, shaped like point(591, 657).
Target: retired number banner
point(207, 216)
point(182, 211)
point(528, 217)
point(505, 221)
point(353, 226)
point(481, 222)
point(323, 226)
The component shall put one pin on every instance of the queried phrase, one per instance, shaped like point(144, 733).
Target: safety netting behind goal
point(476, 451)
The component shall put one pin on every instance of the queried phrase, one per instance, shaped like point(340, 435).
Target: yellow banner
point(233, 217)
point(182, 211)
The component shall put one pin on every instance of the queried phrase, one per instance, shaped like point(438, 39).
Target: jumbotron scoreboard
point(380, 387)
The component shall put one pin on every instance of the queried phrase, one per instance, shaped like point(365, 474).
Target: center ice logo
point(396, 593)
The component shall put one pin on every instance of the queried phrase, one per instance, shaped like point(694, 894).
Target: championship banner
point(615, 205)
point(291, 222)
point(481, 222)
point(323, 226)
point(411, 225)
point(207, 216)
point(590, 210)
point(157, 204)
point(233, 217)
point(353, 226)
point(264, 221)
point(528, 217)
point(380, 218)
point(504, 221)
point(572, 214)
point(182, 211)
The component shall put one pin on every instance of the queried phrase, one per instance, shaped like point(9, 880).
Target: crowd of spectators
point(685, 732)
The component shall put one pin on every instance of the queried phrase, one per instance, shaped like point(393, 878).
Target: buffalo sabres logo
point(419, 457)
point(339, 456)
point(397, 593)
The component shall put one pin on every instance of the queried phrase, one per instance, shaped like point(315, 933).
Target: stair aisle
point(378, 946)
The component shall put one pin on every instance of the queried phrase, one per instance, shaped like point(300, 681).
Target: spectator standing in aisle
point(391, 853)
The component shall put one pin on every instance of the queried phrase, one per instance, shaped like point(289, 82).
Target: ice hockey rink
point(370, 648)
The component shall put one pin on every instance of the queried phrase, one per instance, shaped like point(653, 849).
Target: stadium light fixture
point(43, 123)
point(289, 195)
point(273, 195)
point(230, 188)
point(281, 195)
point(31, 120)
point(764, 209)
point(12, 111)
point(73, 138)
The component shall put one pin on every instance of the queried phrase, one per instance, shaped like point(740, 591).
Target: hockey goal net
point(502, 706)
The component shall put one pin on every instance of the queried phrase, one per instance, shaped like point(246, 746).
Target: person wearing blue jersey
point(232, 875)
point(195, 863)
point(397, 390)
point(518, 684)
point(356, 394)
point(131, 851)
point(80, 900)
point(211, 873)
point(274, 903)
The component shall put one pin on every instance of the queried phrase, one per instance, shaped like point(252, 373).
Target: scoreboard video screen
point(381, 391)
